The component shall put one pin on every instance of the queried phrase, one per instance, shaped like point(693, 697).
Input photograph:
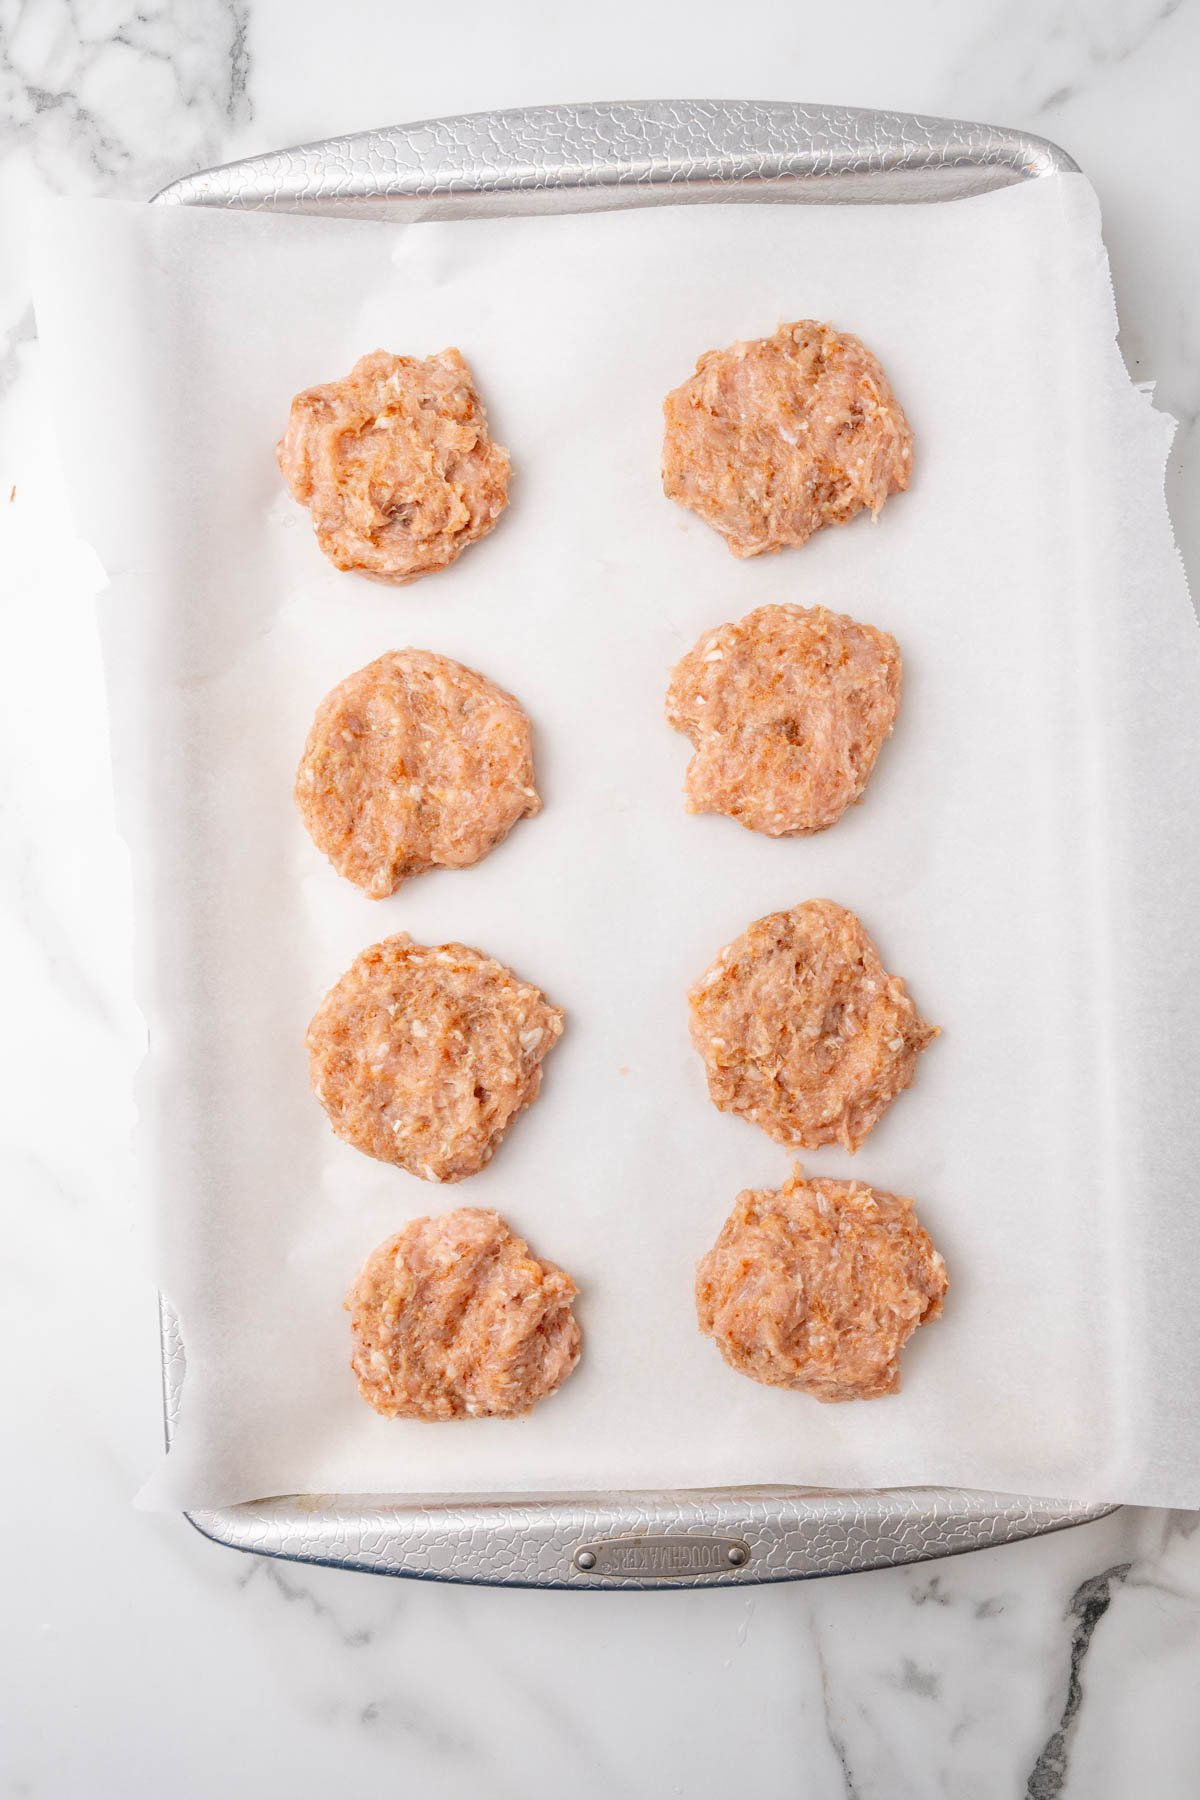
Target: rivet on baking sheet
point(736, 1555)
point(585, 1559)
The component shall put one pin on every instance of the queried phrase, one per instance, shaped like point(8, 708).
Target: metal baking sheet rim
point(571, 158)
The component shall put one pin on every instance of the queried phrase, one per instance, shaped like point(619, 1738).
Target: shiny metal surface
point(789, 1533)
point(655, 152)
point(558, 159)
point(676, 1557)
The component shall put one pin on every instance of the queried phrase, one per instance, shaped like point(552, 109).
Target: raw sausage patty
point(787, 710)
point(802, 1029)
point(414, 763)
point(456, 1318)
point(818, 1286)
point(772, 439)
point(423, 1055)
point(395, 464)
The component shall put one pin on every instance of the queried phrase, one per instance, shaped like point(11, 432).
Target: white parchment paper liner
point(1026, 857)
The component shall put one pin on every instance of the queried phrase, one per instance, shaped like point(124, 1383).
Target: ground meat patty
point(423, 1055)
point(818, 1286)
point(456, 1318)
point(787, 710)
point(395, 464)
point(803, 1030)
point(772, 439)
point(414, 763)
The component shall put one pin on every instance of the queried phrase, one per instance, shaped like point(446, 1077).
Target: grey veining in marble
point(1089, 1603)
point(140, 1659)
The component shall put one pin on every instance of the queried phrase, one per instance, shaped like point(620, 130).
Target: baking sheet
point(1026, 856)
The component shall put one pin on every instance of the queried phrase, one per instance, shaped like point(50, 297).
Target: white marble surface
point(137, 1658)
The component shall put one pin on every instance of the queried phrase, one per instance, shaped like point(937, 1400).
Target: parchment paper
point(1026, 856)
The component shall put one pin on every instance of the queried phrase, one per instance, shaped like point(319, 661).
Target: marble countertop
point(138, 1658)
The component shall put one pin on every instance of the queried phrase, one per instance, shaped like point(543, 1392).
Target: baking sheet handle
point(653, 152)
point(713, 1538)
